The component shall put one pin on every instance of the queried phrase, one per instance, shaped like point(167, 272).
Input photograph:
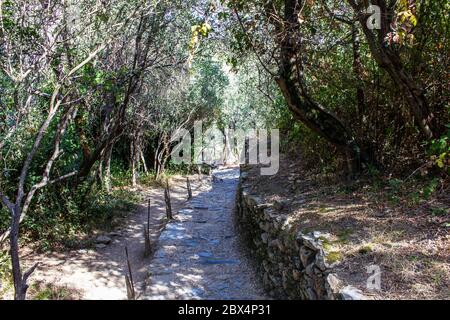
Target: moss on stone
point(333, 257)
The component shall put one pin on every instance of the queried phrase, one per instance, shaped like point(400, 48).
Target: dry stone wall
point(292, 265)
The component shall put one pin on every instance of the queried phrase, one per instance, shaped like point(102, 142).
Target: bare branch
point(29, 272)
point(6, 201)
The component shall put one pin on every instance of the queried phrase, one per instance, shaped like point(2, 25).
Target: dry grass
point(380, 223)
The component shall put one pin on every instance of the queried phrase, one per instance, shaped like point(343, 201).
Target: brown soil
point(369, 226)
point(99, 274)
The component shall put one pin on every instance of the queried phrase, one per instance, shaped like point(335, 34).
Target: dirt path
point(98, 274)
point(198, 255)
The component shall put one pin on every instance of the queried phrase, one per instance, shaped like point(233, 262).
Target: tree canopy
point(92, 90)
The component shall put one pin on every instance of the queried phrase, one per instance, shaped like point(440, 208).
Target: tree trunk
point(293, 87)
point(358, 71)
point(107, 179)
point(20, 289)
point(99, 173)
point(163, 155)
point(324, 123)
point(144, 163)
point(388, 58)
point(20, 280)
point(414, 95)
point(133, 159)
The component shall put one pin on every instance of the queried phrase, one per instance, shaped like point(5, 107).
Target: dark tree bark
point(358, 72)
point(292, 85)
point(388, 58)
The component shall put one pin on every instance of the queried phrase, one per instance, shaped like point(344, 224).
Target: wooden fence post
point(148, 244)
point(167, 200)
point(189, 189)
point(131, 293)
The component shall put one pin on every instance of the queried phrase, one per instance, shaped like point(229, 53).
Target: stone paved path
point(198, 255)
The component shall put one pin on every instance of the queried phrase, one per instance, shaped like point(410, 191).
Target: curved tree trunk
point(144, 163)
point(322, 122)
point(389, 59)
point(293, 87)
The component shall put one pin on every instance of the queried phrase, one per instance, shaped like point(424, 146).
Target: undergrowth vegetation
point(92, 91)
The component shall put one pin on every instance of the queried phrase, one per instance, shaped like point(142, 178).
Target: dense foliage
point(90, 92)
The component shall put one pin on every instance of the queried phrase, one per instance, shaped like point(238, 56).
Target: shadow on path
point(198, 254)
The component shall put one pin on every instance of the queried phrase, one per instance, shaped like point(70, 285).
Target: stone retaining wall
point(292, 264)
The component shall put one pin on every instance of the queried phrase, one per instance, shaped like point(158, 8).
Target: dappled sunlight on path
point(198, 255)
point(100, 274)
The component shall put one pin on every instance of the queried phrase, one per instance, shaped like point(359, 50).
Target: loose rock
point(103, 240)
